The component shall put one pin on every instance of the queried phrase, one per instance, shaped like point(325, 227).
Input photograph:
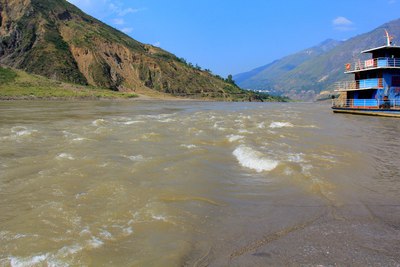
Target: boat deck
point(372, 107)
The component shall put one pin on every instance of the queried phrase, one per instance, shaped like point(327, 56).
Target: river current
point(152, 183)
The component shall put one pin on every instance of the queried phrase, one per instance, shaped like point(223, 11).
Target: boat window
point(396, 80)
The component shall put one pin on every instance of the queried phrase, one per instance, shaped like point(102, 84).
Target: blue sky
point(234, 36)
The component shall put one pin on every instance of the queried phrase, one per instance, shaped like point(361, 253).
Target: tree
point(230, 79)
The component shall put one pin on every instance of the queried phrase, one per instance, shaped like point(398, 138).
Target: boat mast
point(388, 38)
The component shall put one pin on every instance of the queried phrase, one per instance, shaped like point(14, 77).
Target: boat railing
point(359, 84)
point(382, 62)
point(366, 103)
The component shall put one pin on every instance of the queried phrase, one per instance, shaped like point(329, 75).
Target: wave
point(253, 159)
point(232, 137)
point(277, 124)
point(132, 122)
point(135, 157)
point(189, 146)
point(65, 156)
point(99, 122)
point(29, 261)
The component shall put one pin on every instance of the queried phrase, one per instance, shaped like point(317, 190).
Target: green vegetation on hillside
point(16, 84)
point(7, 76)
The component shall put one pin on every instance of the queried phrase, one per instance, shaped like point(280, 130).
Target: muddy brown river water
point(152, 183)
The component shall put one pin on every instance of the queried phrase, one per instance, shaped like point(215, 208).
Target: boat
point(375, 89)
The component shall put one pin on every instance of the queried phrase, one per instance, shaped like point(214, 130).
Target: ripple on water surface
point(150, 184)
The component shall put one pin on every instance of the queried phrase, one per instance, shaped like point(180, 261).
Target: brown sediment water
point(152, 183)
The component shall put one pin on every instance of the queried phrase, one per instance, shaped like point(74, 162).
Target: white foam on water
point(106, 234)
point(25, 132)
point(233, 138)
point(73, 137)
point(127, 230)
point(296, 157)
point(102, 130)
point(135, 157)
point(28, 261)
point(218, 127)
point(85, 231)
point(103, 165)
point(166, 120)
point(261, 125)
point(99, 122)
point(244, 131)
point(68, 134)
point(190, 146)
point(132, 122)
point(159, 217)
point(253, 159)
point(308, 126)
point(18, 236)
point(277, 124)
point(67, 156)
point(80, 195)
point(306, 168)
point(79, 139)
point(20, 132)
point(330, 159)
point(8, 236)
point(95, 242)
point(156, 117)
point(69, 250)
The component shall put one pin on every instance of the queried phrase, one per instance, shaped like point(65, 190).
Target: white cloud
point(105, 7)
point(343, 24)
point(118, 21)
point(111, 11)
point(89, 4)
point(126, 30)
point(121, 11)
point(339, 21)
point(129, 10)
point(157, 44)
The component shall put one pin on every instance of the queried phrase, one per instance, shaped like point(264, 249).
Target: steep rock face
point(31, 42)
point(55, 39)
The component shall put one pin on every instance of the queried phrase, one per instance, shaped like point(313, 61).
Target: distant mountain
point(305, 74)
point(55, 39)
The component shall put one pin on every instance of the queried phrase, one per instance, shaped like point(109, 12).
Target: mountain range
point(55, 39)
point(304, 75)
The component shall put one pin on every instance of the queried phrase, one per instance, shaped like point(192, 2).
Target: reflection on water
point(197, 184)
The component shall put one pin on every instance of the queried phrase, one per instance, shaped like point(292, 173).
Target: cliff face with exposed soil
point(55, 39)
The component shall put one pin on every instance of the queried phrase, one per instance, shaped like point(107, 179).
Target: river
point(153, 183)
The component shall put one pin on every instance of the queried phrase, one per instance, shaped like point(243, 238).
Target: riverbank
point(19, 85)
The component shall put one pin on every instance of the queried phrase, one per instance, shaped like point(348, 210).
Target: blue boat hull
point(369, 112)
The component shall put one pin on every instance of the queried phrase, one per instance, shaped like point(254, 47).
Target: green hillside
point(16, 84)
point(304, 77)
